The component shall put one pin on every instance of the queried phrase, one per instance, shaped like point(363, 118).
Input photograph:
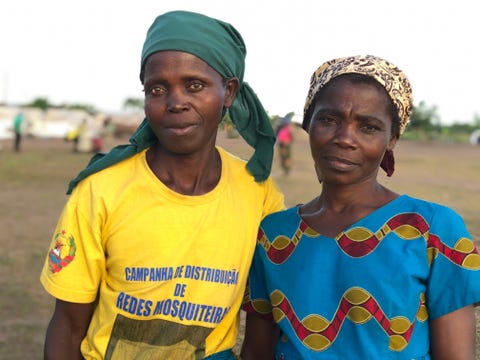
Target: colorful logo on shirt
point(62, 253)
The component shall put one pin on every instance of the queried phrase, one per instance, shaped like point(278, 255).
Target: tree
point(424, 118)
point(44, 104)
point(88, 108)
point(476, 120)
point(133, 104)
point(40, 103)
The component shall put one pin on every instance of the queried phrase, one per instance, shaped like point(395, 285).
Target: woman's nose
point(177, 101)
point(345, 134)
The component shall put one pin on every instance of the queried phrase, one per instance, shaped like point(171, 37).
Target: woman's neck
point(194, 174)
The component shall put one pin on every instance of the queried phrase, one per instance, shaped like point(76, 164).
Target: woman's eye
point(325, 120)
point(196, 86)
point(158, 90)
point(370, 128)
point(155, 90)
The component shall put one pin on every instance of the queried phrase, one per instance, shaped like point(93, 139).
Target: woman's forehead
point(392, 79)
point(342, 94)
point(359, 86)
point(178, 61)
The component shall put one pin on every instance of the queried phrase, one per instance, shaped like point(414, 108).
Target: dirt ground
point(32, 194)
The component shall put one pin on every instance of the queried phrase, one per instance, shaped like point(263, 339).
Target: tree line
point(425, 122)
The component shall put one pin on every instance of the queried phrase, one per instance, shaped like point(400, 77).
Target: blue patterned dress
point(370, 292)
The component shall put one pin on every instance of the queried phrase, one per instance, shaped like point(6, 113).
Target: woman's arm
point(66, 330)
point(452, 336)
point(260, 339)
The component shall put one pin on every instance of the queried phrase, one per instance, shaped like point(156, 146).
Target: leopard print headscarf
point(388, 75)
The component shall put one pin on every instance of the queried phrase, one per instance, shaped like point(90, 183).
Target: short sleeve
point(454, 280)
point(274, 199)
point(75, 260)
point(257, 300)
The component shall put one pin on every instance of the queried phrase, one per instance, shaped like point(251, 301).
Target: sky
point(89, 51)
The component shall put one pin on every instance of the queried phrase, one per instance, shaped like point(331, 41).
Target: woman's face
point(350, 130)
point(184, 99)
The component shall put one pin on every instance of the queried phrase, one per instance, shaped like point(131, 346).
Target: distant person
point(102, 136)
point(150, 256)
point(18, 125)
point(97, 143)
point(361, 272)
point(284, 141)
point(108, 132)
point(72, 136)
point(97, 140)
point(79, 137)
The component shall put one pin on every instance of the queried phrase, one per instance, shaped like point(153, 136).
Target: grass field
point(32, 194)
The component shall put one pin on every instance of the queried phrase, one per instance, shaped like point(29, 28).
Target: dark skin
point(349, 133)
point(66, 330)
point(350, 130)
point(260, 339)
point(184, 100)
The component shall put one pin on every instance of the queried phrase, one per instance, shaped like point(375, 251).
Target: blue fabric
point(370, 292)
point(222, 355)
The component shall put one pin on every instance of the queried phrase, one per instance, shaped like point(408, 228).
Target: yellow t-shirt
point(170, 269)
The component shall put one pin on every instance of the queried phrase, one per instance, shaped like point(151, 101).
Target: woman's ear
point(392, 142)
point(319, 173)
point(231, 88)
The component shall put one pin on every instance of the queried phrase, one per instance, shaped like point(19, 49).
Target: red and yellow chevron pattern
point(360, 241)
point(357, 305)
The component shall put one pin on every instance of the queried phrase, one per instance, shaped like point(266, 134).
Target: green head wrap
point(221, 46)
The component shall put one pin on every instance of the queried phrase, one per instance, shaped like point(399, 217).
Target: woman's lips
point(182, 130)
point(339, 163)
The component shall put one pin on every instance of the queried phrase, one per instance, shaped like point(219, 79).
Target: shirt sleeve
point(257, 299)
point(75, 261)
point(454, 280)
point(274, 199)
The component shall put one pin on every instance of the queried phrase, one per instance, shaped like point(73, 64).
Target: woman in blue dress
point(361, 272)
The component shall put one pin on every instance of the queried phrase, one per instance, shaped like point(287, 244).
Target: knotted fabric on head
point(221, 46)
point(388, 75)
point(393, 80)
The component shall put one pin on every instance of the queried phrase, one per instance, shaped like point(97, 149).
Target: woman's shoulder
point(235, 170)
point(435, 214)
point(232, 160)
point(424, 206)
point(114, 176)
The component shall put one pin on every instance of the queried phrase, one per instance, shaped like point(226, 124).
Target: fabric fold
point(221, 46)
